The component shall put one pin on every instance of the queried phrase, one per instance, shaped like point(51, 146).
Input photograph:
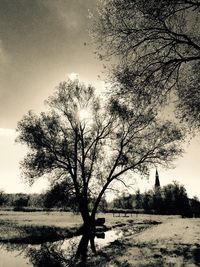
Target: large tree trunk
point(81, 254)
point(88, 221)
point(88, 233)
point(98, 200)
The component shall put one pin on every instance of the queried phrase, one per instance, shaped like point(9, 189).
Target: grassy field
point(57, 219)
point(173, 242)
point(36, 227)
point(67, 219)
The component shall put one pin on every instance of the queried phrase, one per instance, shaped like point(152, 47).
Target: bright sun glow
point(84, 114)
point(73, 76)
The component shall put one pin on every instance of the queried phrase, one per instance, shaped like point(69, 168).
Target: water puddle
point(57, 253)
point(110, 236)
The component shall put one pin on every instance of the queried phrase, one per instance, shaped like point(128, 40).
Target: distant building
point(157, 181)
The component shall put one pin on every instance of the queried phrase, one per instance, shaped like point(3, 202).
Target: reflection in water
point(51, 255)
point(68, 252)
point(13, 257)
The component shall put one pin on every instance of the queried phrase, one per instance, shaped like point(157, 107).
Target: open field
point(34, 227)
point(57, 219)
point(173, 242)
point(68, 219)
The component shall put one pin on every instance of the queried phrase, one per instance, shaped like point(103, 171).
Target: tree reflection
point(68, 252)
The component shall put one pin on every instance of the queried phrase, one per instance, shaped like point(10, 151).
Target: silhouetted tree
point(65, 196)
point(156, 46)
point(158, 201)
point(127, 202)
point(90, 146)
point(117, 203)
point(138, 200)
point(36, 200)
point(170, 199)
point(21, 200)
point(175, 199)
point(123, 202)
point(103, 205)
point(2, 197)
point(147, 201)
point(195, 206)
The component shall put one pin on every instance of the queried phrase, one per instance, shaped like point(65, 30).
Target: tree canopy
point(90, 145)
point(155, 49)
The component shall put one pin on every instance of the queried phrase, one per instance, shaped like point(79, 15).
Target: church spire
point(157, 181)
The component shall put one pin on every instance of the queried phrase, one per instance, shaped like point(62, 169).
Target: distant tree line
point(18, 201)
point(171, 199)
point(56, 198)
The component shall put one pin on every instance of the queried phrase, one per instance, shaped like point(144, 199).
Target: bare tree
point(91, 146)
point(156, 45)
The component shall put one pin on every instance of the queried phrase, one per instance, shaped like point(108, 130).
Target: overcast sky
point(41, 43)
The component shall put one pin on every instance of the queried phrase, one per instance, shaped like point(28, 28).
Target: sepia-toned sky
point(41, 43)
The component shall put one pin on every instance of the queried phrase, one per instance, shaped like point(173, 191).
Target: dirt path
point(174, 242)
point(184, 231)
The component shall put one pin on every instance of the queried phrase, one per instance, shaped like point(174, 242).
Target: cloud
point(64, 12)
